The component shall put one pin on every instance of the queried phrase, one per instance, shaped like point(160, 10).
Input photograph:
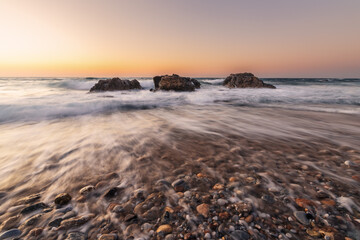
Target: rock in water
point(157, 80)
point(115, 84)
point(196, 83)
point(245, 80)
point(175, 83)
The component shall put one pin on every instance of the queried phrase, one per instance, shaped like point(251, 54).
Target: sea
point(56, 137)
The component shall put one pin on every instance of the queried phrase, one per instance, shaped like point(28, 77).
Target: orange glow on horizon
point(139, 38)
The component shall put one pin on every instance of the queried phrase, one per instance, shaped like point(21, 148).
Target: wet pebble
point(35, 232)
point(203, 209)
point(74, 222)
point(301, 217)
point(62, 199)
point(33, 207)
point(207, 236)
point(56, 222)
point(2, 194)
point(76, 236)
point(86, 190)
point(249, 218)
point(108, 237)
point(13, 233)
point(29, 199)
point(224, 216)
point(179, 185)
point(9, 223)
point(222, 202)
point(349, 163)
point(33, 220)
point(166, 229)
point(131, 230)
point(218, 186)
point(239, 235)
point(111, 193)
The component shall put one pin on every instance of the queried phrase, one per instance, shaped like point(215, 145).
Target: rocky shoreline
point(204, 186)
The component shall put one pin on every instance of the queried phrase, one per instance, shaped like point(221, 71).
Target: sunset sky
point(271, 38)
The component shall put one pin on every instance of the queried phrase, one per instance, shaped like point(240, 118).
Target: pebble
point(224, 215)
point(203, 209)
point(112, 175)
point(356, 177)
point(81, 199)
point(313, 233)
point(33, 207)
point(207, 236)
point(349, 163)
point(9, 223)
point(35, 232)
point(218, 186)
point(2, 194)
point(146, 227)
point(108, 237)
point(222, 202)
point(56, 222)
point(235, 218)
point(29, 199)
point(76, 236)
point(113, 192)
point(62, 199)
point(74, 222)
point(301, 202)
point(301, 217)
point(240, 235)
point(179, 185)
point(86, 190)
point(131, 230)
point(187, 194)
point(232, 179)
point(328, 202)
point(13, 233)
point(164, 229)
point(249, 218)
point(33, 220)
point(250, 180)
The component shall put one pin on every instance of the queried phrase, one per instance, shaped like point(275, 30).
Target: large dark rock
point(196, 83)
point(115, 84)
point(176, 83)
point(245, 80)
point(157, 80)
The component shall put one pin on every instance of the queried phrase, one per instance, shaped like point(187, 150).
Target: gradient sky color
point(271, 38)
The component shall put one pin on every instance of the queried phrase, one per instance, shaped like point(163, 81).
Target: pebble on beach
point(62, 199)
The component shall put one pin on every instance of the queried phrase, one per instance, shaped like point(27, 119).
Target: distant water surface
point(36, 99)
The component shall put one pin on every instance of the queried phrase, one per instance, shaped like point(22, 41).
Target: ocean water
point(56, 137)
point(37, 99)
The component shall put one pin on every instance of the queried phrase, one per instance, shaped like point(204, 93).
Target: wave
point(64, 104)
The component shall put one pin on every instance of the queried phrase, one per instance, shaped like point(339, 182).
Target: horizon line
point(169, 74)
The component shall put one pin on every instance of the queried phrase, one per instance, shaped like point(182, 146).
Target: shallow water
point(57, 138)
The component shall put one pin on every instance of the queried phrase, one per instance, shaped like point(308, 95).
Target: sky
point(98, 38)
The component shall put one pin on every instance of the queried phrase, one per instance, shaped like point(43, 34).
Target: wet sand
point(209, 172)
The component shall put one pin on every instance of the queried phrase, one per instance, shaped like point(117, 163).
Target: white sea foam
point(39, 99)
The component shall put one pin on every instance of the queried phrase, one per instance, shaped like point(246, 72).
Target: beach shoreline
point(255, 172)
